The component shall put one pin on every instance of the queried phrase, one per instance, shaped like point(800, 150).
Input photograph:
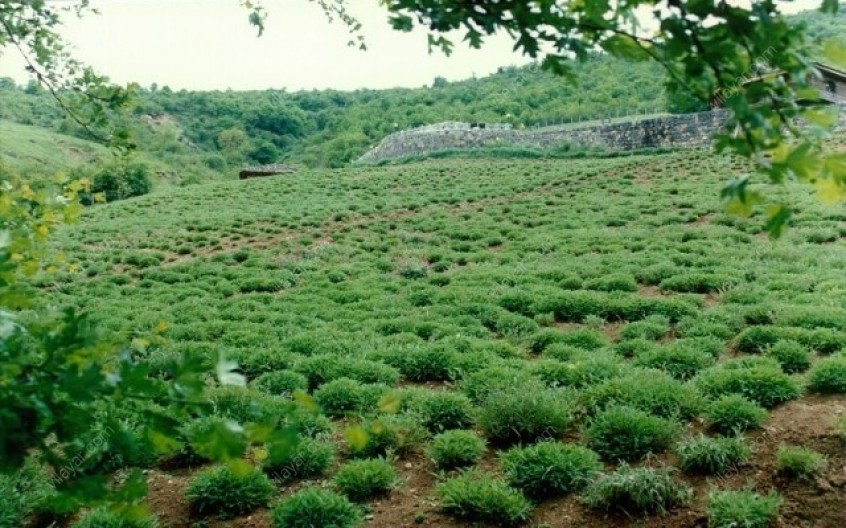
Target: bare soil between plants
point(819, 503)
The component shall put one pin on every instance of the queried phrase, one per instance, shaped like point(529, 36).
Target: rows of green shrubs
point(556, 321)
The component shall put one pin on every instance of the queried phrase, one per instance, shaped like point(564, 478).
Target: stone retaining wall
point(686, 130)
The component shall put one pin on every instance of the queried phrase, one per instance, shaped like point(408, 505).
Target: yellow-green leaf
point(240, 467)
point(744, 207)
point(834, 52)
point(824, 117)
point(390, 403)
point(304, 400)
point(357, 437)
point(830, 190)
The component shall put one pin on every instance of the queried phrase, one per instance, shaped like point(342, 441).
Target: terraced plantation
point(558, 343)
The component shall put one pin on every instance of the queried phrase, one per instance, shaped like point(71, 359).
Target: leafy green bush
point(652, 328)
point(343, 395)
point(103, 518)
point(636, 491)
point(680, 362)
point(828, 376)
point(713, 346)
point(613, 282)
point(225, 493)
point(520, 415)
point(313, 507)
point(580, 371)
point(792, 356)
point(626, 433)
point(307, 459)
point(520, 302)
point(479, 496)
point(730, 509)
point(586, 339)
point(635, 347)
point(196, 434)
point(245, 406)
point(734, 413)
point(398, 434)
point(653, 275)
point(549, 468)
point(446, 410)
point(514, 325)
point(456, 448)
point(12, 507)
point(281, 382)
point(649, 390)
point(543, 338)
point(307, 423)
point(764, 384)
point(363, 479)
point(480, 384)
point(712, 456)
point(697, 282)
point(121, 180)
point(428, 363)
point(822, 340)
point(257, 362)
point(796, 461)
point(757, 339)
point(414, 271)
point(322, 368)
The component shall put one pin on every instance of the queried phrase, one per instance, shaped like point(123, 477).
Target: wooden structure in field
point(829, 81)
point(263, 171)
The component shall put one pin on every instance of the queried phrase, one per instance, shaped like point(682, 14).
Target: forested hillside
point(201, 134)
point(331, 127)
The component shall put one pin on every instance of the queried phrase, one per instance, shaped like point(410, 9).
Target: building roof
point(830, 71)
point(273, 168)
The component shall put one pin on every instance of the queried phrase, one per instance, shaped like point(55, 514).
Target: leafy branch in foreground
point(88, 99)
point(80, 407)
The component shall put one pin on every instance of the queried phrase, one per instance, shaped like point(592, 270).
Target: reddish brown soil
point(820, 503)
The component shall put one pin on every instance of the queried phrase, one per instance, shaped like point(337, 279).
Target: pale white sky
point(208, 44)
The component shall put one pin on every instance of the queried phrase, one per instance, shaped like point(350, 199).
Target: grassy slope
point(38, 151)
point(27, 146)
point(325, 262)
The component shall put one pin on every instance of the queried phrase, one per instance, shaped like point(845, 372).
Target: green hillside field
point(608, 308)
point(32, 147)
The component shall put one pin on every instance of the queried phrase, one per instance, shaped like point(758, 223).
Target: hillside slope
point(516, 289)
point(26, 147)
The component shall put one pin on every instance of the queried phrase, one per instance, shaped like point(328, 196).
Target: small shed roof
point(831, 72)
point(266, 170)
point(272, 168)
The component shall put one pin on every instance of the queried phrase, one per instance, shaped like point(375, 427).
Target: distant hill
point(329, 128)
point(212, 134)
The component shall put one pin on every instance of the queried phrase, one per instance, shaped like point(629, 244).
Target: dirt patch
point(702, 220)
point(816, 504)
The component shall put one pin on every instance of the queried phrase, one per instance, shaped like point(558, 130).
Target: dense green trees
point(332, 128)
point(122, 179)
